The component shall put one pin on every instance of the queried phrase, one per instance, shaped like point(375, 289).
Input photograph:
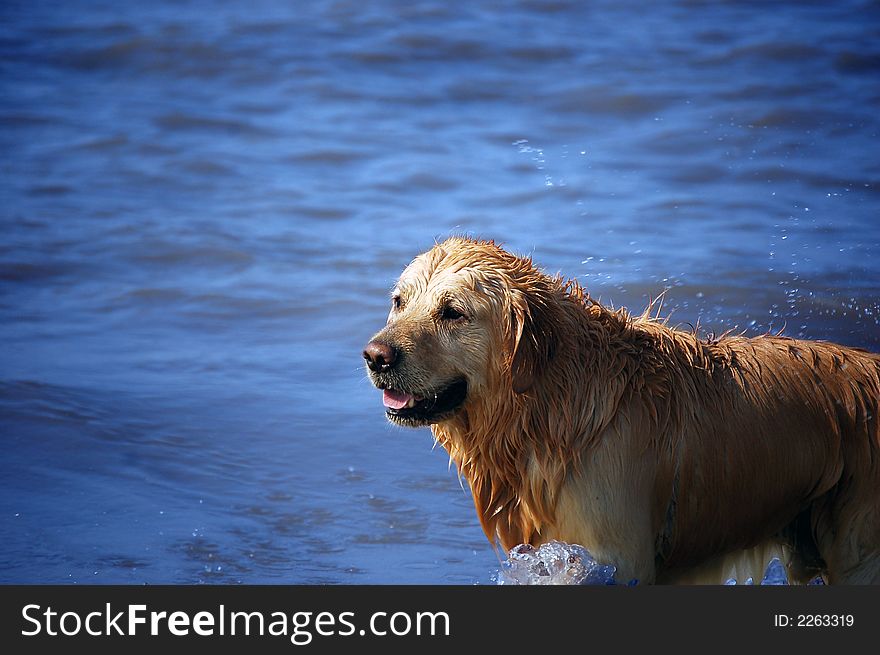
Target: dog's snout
point(380, 356)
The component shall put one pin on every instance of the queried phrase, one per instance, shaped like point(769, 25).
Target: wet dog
point(673, 458)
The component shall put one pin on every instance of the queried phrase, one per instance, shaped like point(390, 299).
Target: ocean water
point(204, 205)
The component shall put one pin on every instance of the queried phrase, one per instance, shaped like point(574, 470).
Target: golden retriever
point(674, 458)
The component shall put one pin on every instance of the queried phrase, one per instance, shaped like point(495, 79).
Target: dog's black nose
point(380, 356)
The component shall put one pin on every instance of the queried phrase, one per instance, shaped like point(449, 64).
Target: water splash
point(554, 563)
point(540, 161)
point(560, 563)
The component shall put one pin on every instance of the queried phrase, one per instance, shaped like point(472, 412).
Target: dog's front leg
point(612, 521)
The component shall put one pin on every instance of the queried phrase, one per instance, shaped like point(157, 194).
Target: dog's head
point(468, 324)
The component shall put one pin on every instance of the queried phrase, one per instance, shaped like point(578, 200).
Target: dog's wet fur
point(674, 458)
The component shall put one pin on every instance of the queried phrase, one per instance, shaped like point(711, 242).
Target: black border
point(500, 618)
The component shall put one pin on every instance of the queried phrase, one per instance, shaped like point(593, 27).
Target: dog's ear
point(534, 339)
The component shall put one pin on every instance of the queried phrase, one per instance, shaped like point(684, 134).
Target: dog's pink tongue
point(395, 399)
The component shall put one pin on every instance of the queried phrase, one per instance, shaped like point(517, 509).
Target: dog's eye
point(450, 313)
point(396, 302)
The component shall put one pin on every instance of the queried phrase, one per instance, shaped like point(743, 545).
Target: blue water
point(204, 206)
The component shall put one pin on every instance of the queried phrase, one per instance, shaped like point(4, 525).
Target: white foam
point(553, 563)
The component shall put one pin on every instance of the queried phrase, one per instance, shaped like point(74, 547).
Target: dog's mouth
point(414, 410)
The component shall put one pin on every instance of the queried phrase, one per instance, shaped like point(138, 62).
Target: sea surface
point(203, 207)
